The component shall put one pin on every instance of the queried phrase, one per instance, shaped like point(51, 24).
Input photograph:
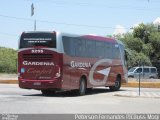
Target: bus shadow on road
point(99, 91)
point(73, 93)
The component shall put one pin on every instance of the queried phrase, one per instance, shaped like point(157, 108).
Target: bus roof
point(100, 38)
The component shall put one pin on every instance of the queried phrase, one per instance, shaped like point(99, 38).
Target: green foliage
point(8, 60)
point(135, 44)
point(134, 58)
point(139, 32)
point(154, 39)
point(143, 44)
point(143, 32)
point(147, 49)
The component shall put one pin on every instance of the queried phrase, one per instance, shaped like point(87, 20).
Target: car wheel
point(151, 77)
point(131, 76)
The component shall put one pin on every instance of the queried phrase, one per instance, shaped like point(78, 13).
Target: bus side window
point(80, 47)
point(108, 50)
point(72, 47)
point(66, 45)
point(69, 45)
point(100, 49)
point(90, 48)
point(116, 51)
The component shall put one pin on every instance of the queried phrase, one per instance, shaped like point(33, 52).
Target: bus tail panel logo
point(38, 63)
point(104, 72)
point(80, 64)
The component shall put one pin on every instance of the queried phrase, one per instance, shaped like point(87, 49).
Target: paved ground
point(135, 92)
point(100, 100)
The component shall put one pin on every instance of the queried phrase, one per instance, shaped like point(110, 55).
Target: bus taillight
point(57, 71)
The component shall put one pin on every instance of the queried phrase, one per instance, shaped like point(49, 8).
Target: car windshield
point(132, 69)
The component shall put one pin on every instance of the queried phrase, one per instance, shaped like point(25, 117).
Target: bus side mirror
point(125, 55)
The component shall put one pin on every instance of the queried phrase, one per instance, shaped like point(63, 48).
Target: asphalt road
point(14, 100)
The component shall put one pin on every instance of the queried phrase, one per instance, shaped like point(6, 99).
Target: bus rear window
point(38, 39)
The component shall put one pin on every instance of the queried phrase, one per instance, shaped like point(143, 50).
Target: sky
point(100, 17)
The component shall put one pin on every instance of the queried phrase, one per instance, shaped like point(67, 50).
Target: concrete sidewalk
point(8, 79)
point(134, 92)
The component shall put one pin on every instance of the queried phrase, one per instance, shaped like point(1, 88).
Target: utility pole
point(139, 76)
point(32, 14)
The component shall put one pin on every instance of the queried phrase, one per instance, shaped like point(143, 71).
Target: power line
point(8, 34)
point(17, 18)
point(62, 23)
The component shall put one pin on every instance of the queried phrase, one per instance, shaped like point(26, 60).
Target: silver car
point(146, 72)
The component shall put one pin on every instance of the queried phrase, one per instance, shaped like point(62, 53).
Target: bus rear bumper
point(40, 84)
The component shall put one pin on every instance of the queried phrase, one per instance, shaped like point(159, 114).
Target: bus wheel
point(117, 85)
point(82, 87)
point(47, 92)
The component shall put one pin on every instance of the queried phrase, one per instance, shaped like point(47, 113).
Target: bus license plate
point(37, 83)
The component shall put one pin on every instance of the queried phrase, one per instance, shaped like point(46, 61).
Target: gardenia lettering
point(38, 63)
point(80, 64)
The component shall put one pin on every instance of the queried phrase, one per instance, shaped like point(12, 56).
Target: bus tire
point(82, 87)
point(47, 92)
point(117, 85)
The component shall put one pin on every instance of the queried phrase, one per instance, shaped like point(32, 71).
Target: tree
point(148, 49)
point(8, 60)
point(134, 59)
point(154, 40)
point(143, 45)
point(143, 31)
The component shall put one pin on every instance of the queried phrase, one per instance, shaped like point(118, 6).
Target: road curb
point(143, 84)
point(8, 81)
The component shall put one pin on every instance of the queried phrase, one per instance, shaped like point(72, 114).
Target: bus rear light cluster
point(58, 75)
point(57, 71)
